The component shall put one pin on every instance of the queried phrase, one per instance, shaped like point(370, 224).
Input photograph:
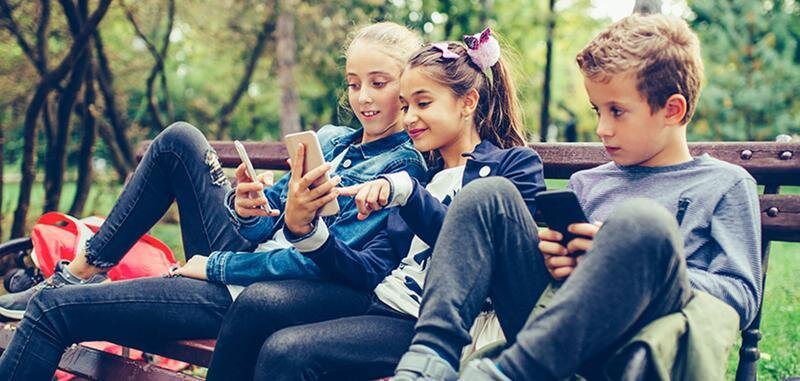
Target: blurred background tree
point(258, 69)
point(77, 96)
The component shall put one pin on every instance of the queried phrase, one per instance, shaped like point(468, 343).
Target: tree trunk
point(84, 182)
point(114, 135)
point(56, 157)
point(544, 120)
point(2, 184)
point(227, 109)
point(48, 82)
point(285, 51)
point(164, 48)
point(647, 6)
point(486, 12)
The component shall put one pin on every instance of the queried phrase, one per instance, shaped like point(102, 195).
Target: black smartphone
point(559, 209)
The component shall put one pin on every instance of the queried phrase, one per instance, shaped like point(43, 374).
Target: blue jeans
point(136, 313)
point(179, 166)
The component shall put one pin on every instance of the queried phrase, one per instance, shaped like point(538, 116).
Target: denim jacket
point(361, 163)
point(422, 215)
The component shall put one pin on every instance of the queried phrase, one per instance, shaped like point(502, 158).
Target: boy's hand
point(249, 199)
point(559, 260)
point(195, 268)
point(303, 203)
point(371, 196)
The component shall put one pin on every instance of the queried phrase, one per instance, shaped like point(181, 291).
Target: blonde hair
point(396, 40)
point(662, 51)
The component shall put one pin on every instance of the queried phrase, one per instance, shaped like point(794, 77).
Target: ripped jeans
point(178, 166)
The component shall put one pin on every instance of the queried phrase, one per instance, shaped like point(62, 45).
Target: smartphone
point(313, 159)
point(250, 170)
point(559, 209)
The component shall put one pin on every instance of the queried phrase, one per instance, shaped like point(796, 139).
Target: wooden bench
point(771, 164)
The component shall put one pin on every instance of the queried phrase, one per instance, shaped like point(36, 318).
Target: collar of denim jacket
point(373, 148)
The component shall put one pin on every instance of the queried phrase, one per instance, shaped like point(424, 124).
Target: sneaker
point(13, 305)
point(422, 363)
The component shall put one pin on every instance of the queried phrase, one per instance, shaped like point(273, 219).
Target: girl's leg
point(351, 348)
point(179, 166)
point(266, 307)
point(488, 246)
point(127, 312)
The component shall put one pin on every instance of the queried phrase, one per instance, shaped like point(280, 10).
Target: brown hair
point(662, 51)
point(497, 115)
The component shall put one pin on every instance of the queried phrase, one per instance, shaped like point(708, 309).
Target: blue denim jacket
point(361, 163)
point(423, 215)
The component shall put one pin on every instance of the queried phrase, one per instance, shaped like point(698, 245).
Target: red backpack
point(56, 235)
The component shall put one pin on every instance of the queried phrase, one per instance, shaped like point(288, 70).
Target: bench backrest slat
point(771, 164)
point(563, 159)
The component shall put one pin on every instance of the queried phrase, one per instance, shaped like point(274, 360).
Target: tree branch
point(261, 41)
point(158, 54)
point(47, 83)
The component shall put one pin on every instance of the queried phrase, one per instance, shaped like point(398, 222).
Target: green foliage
point(751, 54)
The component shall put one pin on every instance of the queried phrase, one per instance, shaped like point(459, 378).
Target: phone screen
point(559, 209)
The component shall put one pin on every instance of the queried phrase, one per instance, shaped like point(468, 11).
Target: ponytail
point(453, 64)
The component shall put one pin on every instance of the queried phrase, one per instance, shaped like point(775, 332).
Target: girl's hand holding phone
point(370, 197)
point(302, 202)
point(560, 260)
point(249, 199)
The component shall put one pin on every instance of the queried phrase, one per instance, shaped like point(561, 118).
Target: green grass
point(780, 345)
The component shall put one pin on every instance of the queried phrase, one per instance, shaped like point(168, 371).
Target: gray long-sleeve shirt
point(716, 205)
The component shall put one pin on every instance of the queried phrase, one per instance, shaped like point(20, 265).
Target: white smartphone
point(313, 160)
point(250, 171)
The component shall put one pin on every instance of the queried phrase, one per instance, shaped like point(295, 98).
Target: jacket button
point(484, 171)
point(347, 163)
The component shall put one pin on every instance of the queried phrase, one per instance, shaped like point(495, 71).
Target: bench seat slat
point(89, 363)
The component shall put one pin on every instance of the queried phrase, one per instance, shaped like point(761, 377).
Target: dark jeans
point(134, 312)
point(307, 330)
point(488, 246)
point(178, 166)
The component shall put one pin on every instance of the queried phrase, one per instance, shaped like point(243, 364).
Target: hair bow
point(445, 48)
point(483, 49)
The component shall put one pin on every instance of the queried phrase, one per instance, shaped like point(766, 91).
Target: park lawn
point(780, 345)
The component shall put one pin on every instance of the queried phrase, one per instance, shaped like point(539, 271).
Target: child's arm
point(366, 266)
point(423, 212)
point(732, 272)
point(256, 228)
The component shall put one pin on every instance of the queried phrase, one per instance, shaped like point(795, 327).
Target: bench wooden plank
point(197, 352)
point(92, 364)
point(561, 160)
point(780, 217)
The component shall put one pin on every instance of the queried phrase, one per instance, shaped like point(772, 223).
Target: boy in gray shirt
point(671, 223)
